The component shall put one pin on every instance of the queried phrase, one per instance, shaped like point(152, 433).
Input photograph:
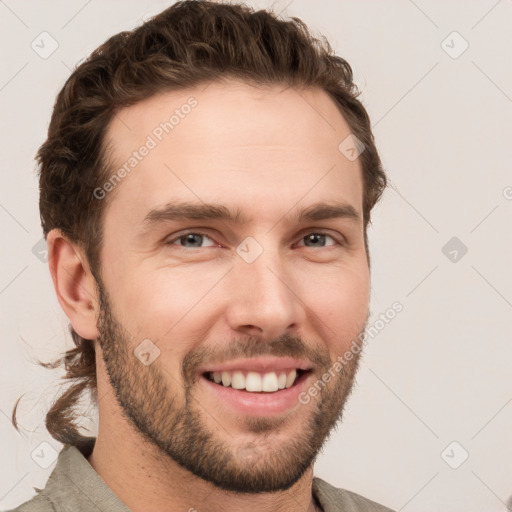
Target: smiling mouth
point(257, 382)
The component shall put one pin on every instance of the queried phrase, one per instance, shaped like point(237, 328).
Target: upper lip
point(259, 364)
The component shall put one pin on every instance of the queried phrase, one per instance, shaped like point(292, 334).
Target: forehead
point(259, 149)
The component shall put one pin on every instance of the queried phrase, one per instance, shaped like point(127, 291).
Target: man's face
point(249, 301)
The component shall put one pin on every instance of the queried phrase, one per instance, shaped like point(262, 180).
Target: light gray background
point(440, 371)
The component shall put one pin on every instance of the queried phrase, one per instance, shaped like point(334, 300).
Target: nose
point(264, 299)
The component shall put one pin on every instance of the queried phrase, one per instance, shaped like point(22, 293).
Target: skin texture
point(165, 441)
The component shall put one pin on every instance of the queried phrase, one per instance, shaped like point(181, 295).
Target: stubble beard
point(150, 400)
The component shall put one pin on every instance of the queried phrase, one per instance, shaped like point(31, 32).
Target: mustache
point(285, 345)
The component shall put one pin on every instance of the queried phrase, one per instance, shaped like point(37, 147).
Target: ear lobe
point(74, 284)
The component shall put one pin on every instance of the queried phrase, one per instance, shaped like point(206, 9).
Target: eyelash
point(340, 242)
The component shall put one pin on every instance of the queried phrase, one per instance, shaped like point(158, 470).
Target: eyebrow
point(203, 211)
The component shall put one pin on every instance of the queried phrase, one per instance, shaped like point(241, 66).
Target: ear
point(74, 284)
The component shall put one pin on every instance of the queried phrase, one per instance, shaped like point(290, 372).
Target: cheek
point(341, 306)
point(160, 304)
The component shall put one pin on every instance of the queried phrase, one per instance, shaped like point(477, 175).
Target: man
point(206, 186)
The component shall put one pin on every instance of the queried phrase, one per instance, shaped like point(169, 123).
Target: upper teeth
point(254, 381)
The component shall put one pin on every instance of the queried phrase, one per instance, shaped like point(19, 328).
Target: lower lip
point(259, 404)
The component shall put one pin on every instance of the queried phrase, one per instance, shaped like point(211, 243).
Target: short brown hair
point(190, 43)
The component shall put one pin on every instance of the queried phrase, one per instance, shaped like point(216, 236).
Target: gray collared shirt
point(74, 486)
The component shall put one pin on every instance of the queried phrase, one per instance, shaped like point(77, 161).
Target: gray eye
point(316, 240)
point(192, 240)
